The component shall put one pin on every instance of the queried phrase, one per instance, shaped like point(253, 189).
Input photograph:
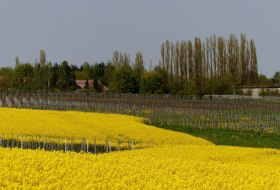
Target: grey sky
point(89, 30)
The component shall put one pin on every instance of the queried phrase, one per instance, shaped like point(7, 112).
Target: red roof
point(82, 83)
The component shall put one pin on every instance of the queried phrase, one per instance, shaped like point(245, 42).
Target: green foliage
point(109, 72)
point(225, 86)
point(212, 86)
point(175, 87)
point(276, 79)
point(218, 86)
point(239, 92)
point(87, 84)
point(98, 70)
point(154, 82)
point(42, 74)
point(264, 81)
point(215, 66)
point(248, 92)
point(229, 136)
point(54, 76)
point(66, 77)
point(97, 86)
point(23, 76)
point(269, 92)
point(6, 81)
point(124, 81)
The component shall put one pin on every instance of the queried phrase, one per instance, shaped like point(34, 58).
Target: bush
point(267, 92)
point(159, 91)
point(239, 92)
point(248, 92)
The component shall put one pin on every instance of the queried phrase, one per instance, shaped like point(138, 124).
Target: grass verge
point(228, 136)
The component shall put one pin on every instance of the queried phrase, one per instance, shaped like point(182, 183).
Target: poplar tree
point(17, 61)
point(214, 55)
point(207, 55)
point(177, 61)
point(126, 59)
point(115, 59)
point(247, 63)
point(233, 62)
point(211, 62)
point(197, 57)
point(167, 56)
point(184, 51)
point(42, 58)
point(254, 62)
point(190, 60)
point(183, 61)
point(172, 61)
point(162, 53)
point(138, 67)
point(221, 57)
point(243, 59)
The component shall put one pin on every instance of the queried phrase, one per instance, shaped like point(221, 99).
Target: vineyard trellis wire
point(94, 145)
point(217, 112)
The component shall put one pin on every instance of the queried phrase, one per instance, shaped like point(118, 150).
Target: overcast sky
point(89, 30)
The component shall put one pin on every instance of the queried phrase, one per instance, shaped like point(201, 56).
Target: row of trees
point(46, 76)
point(214, 66)
point(210, 62)
point(40, 76)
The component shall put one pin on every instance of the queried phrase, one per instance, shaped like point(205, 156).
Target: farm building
point(260, 90)
point(81, 84)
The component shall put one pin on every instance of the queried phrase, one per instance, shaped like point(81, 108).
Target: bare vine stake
point(82, 145)
point(107, 145)
point(21, 142)
point(44, 143)
point(110, 146)
point(13, 142)
point(87, 146)
point(119, 147)
point(95, 145)
point(65, 146)
point(39, 142)
point(132, 146)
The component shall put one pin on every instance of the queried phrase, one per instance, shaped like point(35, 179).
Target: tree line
point(214, 66)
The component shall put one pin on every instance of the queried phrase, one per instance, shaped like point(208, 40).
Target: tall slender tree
point(221, 57)
point(162, 53)
point(190, 60)
point(254, 62)
point(115, 59)
point(43, 58)
point(242, 54)
point(167, 56)
point(177, 61)
point(172, 62)
point(197, 57)
point(138, 67)
point(183, 61)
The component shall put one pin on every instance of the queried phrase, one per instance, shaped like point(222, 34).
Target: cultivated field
point(37, 128)
point(233, 113)
point(181, 167)
point(71, 145)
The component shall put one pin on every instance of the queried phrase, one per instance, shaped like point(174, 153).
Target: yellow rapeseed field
point(78, 125)
point(181, 167)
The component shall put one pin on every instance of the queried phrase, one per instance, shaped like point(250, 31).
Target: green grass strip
point(228, 137)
